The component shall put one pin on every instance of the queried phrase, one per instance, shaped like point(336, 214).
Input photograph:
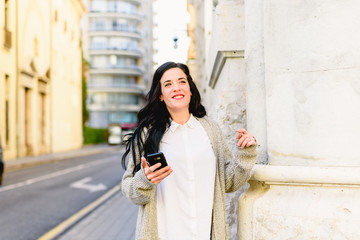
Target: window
point(98, 119)
point(122, 43)
point(99, 61)
point(113, 60)
point(112, 81)
point(113, 99)
point(7, 134)
point(36, 47)
point(116, 43)
point(122, 117)
point(126, 7)
point(7, 127)
point(98, 6)
point(7, 33)
point(114, 25)
point(98, 43)
point(6, 15)
point(42, 117)
point(55, 16)
point(98, 24)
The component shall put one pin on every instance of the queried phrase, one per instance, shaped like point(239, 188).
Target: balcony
point(123, 70)
point(114, 107)
point(137, 2)
point(114, 31)
point(114, 14)
point(115, 51)
point(113, 87)
point(115, 6)
point(7, 38)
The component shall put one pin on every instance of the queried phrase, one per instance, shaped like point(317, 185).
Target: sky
point(171, 17)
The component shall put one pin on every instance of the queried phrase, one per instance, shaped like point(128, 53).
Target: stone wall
point(312, 57)
point(224, 95)
point(312, 101)
point(296, 88)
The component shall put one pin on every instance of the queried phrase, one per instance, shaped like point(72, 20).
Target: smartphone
point(154, 158)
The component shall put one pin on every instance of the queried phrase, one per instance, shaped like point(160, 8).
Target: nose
point(176, 86)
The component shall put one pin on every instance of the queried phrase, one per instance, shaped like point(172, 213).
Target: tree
point(85, 113)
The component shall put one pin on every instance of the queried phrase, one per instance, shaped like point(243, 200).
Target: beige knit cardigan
point(231, 174)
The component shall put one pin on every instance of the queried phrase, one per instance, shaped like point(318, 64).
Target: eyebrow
point(181, 78)
point(166, 81)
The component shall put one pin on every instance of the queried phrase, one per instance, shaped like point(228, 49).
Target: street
point(35, 200)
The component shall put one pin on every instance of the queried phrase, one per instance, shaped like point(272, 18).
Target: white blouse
point(185, 197)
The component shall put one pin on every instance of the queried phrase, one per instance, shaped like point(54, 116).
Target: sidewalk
point(111, 217)
point(53, 157)
point(114, 220)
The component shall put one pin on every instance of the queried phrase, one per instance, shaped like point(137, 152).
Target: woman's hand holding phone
point(155, 176)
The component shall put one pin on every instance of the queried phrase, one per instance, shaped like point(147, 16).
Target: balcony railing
point(117, 85)
point(114, 48)
point(113, 10)
point(109, 66)
point(7, 38)
point(115, 29)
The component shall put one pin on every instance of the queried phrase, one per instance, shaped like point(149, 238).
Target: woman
point(186, 199)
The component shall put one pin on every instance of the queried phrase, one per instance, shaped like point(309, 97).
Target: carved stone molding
point(220, 60)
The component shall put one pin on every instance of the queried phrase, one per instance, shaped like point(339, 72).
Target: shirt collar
point(191, 123)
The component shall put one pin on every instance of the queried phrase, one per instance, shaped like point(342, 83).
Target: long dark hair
point(156, 118)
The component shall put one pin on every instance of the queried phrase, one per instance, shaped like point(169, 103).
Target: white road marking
point(55, 174)
point(83, 184)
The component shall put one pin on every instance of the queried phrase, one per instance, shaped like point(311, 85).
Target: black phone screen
point(154, 158)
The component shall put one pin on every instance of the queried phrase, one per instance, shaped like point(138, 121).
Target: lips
point(178, 96)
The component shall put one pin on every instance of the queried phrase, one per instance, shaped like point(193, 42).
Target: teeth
point(179, 96)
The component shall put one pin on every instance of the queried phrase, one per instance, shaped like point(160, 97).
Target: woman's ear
point(161, 98)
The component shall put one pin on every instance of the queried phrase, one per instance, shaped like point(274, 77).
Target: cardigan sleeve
point(238, 171)
point(137, 188)
point(237, 167)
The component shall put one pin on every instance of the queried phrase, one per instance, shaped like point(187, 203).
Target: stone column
point(255, 75)
point(312, 57)
point(310, 189)
point(225, 98)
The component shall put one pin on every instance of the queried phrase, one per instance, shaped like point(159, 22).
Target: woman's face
point(175, 90)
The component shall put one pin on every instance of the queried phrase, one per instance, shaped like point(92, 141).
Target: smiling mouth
point(178, 97)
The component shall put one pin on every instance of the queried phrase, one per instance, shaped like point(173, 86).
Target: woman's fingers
point(157, 176)
point(251, 142)
point(154, 167)
point(144, 163)
point(245, 139)
point(162, 176)
point(245, 142)
point(148, 169)
point(241, 132)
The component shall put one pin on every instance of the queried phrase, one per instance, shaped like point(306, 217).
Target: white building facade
point(289, 73)
point(117, 42)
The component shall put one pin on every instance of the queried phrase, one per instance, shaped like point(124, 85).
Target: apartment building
point(117, 43)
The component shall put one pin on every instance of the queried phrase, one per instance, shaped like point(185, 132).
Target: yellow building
point(40, 76)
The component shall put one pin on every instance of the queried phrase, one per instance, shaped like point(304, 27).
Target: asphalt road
point(36, 199)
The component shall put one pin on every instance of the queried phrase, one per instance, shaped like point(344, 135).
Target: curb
point(71, 221)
